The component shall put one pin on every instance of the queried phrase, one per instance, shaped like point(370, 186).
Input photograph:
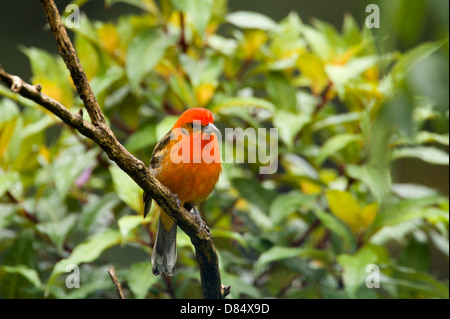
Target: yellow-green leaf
point(126, 188)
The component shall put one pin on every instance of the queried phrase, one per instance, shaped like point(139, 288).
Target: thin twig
point(182, 42)
point(306, 234)
point(26, 214)
point(116, 282)
point(169, 286)
point(323, 98)
point(122, 126)
point(243, 68)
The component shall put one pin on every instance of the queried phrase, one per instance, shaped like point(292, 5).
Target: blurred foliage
point(346, 109)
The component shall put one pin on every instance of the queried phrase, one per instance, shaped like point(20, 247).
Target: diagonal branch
point(67, 52)
point(101, 134)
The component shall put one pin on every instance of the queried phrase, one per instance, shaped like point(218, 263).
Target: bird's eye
point(191, 125)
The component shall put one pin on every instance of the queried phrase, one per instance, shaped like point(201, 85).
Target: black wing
point(159, 150)
point(155, 162)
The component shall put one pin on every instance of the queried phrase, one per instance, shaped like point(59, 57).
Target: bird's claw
point(177, 199)
point(199, 219)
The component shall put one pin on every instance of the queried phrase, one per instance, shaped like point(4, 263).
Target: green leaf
point(335, 144)
point(45, 65)
point(285, 204)
point(251, 20)
point(140, 278)
point(280, 91)
point(51, 72)
point(144, 53)
point(336, 120)
point(225, 103)
point(141, 139)
point(290, 124)
point(416, 254)
point(30, 274)
point(7, 179)
point(241, 289)
point(377, 178)
point(92, 281)
point(414, 56)
point(202, 71)
point(96, 210)
point(69, 165)
point(7, 130)
point(297, 165)
point(253, 192)
point(148, 5)
point(102, 83)
point(7, 215)
point(430, 155)
point(346, 208)
point(57, 230)
point(87, 54)
point(37, 127)
point(221, 44)
point(278, 253)
point(340, 75)
point(354, 269)
point(330, 33)
point(183, 89)
point(199, 11)
point(164, 126)
point(21, 252)
point(415, 280)
point(338, 227)
point(127, 224)
point(86, 28)
point(427, 137)
point(412, 190)
point(232, 235)
point(320, 47)
point(350, 30)
point(405, 211)
point(85, 252)
point(8, 111)
point(127, 189)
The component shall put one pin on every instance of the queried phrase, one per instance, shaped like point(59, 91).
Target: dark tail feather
point(164, 253)
point(147, 203)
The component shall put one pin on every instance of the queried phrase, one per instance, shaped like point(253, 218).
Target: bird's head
point(196, 120)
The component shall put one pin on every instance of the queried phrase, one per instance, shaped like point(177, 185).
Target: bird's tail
point(164, 253)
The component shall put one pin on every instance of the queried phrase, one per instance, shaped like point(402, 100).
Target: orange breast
point(192, 182)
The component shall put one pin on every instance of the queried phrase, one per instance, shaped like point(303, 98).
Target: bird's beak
point(210, 128)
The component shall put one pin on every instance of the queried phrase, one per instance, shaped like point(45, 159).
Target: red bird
point(187, 161)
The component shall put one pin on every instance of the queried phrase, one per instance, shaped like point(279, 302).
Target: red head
point(197, 123)
point(202, 115)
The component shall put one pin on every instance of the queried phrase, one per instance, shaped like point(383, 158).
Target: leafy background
point(363, 151)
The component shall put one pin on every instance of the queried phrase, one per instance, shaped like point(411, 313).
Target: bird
point(187, 161)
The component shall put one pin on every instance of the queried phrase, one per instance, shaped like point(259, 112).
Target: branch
point(116, 282)
point(101, 134)
point(182, 42)
point(67, 52)
point(323, 98)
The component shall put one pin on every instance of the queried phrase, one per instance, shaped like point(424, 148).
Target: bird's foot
point(199, 219)
point(177, 199)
